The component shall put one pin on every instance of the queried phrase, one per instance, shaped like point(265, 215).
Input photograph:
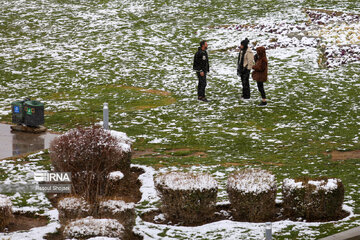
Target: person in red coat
point(260, 72)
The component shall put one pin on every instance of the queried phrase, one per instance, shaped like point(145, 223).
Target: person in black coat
point(244, 66)
point(201, 66)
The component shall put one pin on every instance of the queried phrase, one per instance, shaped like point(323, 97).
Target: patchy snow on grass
point(104, 47)
point(339, 34)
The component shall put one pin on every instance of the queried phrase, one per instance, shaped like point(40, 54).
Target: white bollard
point(268, 232)
point(106, 116)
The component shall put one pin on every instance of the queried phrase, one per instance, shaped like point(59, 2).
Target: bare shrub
point(252, 194)
point(186, 197)
point(71, 208)
point(6, 214)
point(90, 227)
point(90, 154)
point(313, 199)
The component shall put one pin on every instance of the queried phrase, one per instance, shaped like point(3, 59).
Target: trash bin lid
point(17, 103)
point(34, 103)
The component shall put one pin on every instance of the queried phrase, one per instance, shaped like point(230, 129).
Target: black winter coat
point(201, 61)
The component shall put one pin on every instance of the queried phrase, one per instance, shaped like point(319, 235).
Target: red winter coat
point(260, 72)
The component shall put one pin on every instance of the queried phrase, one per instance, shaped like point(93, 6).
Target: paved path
point(352, 234)
point(16, 143)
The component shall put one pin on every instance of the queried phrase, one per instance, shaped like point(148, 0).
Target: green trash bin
point(34, 113)
point(18, 113)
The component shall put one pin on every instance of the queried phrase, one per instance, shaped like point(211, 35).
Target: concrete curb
point(352, 234)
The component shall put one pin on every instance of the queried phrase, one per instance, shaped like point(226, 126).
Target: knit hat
point(245, 42)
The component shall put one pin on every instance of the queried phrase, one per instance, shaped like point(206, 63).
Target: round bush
point(71, 208)
point(90, 154)
point(186, 197)
point(252, 194)
point(6, 214)
point(313, 199)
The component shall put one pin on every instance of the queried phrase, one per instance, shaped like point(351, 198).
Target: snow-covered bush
point(71, 208)
point(119, 210)
point(116, 184)
point(252, 194)
point(312, 199)
point(186, 197)
point(6, 214)
point(90, 227)
point(90, 154)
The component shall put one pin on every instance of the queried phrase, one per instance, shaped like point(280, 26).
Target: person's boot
point(262, 103)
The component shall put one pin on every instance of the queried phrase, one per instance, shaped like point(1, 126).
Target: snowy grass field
point(74, 55)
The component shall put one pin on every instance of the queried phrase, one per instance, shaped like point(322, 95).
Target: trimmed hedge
point(116, 184)
point(119, 210)
point(186, 197)
point(6, 214)
point(252, 194)
point(89, 227)
point(313, 199)
point(71, 208)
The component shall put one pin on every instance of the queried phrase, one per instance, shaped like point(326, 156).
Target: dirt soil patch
point(223, 212)
point(340, 156)
point(26, 221)
point(182, 152)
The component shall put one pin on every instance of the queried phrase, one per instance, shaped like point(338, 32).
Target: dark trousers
point(245, 83)
point(260, 86)
point(201, 85)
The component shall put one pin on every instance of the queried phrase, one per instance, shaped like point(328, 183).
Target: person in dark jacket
point(244, 66)
point(201, 66)
point(260, 72)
